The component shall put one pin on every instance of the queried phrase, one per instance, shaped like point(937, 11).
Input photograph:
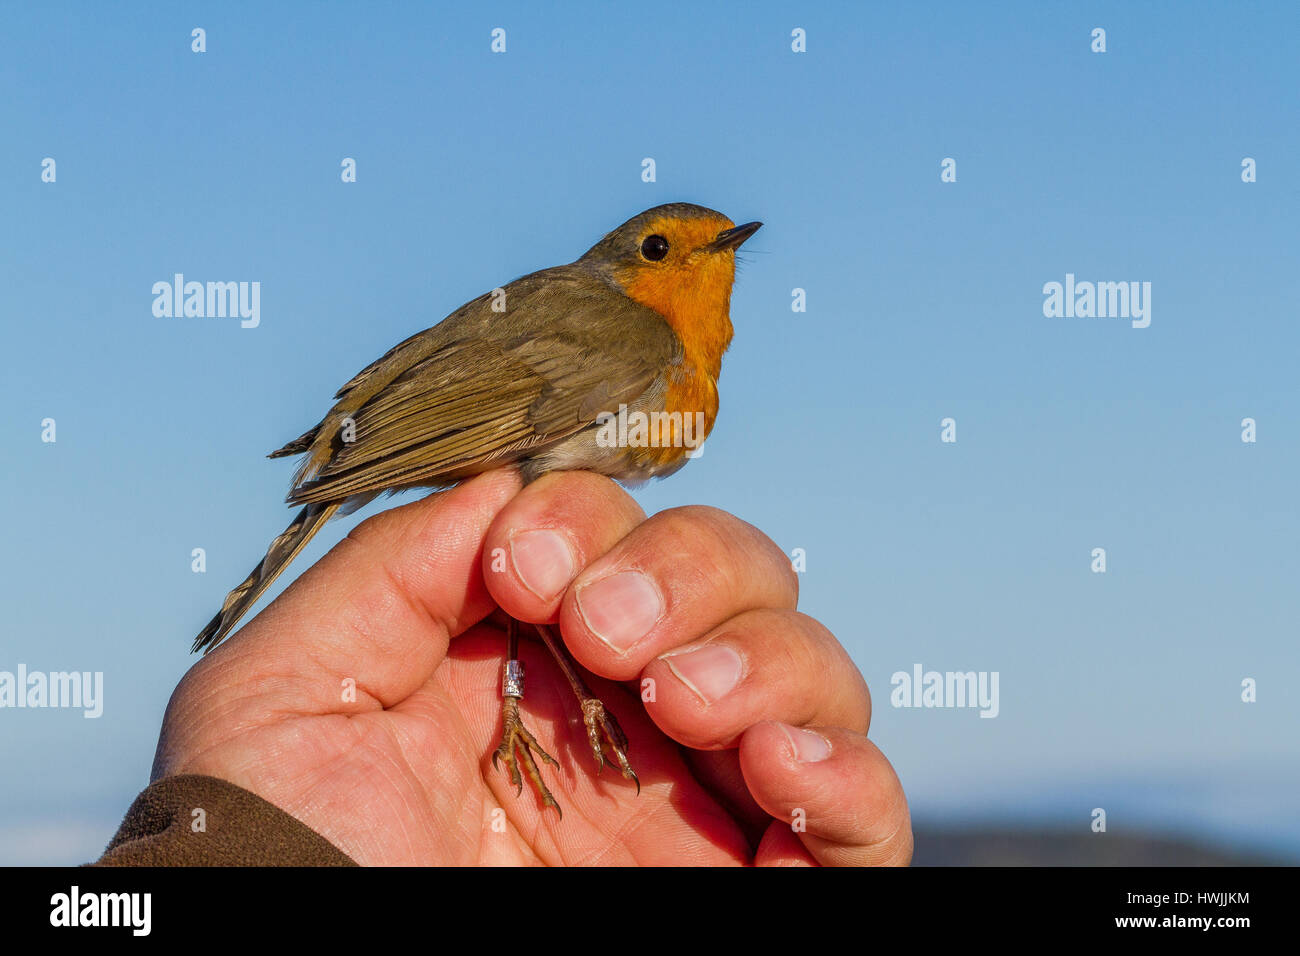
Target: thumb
point(379, 608)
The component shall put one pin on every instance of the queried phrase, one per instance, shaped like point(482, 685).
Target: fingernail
point(808, 745)
point(710, 671)
point(620, 609)
point(543, 560)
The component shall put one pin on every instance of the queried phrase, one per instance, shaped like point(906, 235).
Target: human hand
point(402, 773)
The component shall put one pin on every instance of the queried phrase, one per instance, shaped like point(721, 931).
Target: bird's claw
point(516, 738)
point(603, 731)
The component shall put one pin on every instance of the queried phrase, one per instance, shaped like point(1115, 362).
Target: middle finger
point(673, 578)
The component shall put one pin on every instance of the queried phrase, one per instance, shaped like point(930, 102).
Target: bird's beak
point(733, 237)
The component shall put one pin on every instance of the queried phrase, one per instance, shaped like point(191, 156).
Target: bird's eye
point(654, 248)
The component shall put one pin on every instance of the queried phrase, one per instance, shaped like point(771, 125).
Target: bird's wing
point(485, 387)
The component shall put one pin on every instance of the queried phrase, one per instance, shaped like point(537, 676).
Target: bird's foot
point(604, 733)
point(515, 738)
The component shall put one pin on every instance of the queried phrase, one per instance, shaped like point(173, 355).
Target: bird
point(530, 375)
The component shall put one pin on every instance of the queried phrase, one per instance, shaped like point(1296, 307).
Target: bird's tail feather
point(283, 550)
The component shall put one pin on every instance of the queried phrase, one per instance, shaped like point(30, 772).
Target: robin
point(532, 374)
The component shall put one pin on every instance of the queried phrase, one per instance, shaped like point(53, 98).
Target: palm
point(413, 783)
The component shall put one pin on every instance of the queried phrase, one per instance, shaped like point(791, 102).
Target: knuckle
point(685, 542)
point(730, 550)
point(801, 645)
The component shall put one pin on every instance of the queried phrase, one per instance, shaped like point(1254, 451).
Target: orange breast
point(697, 307)
point(692, 291)
point(691, 406)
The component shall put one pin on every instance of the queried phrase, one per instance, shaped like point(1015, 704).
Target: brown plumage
point(523, 382)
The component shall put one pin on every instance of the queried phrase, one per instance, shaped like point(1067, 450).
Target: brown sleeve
point(239, 829)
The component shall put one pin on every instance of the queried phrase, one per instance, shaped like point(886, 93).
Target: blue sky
point(924, 301)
